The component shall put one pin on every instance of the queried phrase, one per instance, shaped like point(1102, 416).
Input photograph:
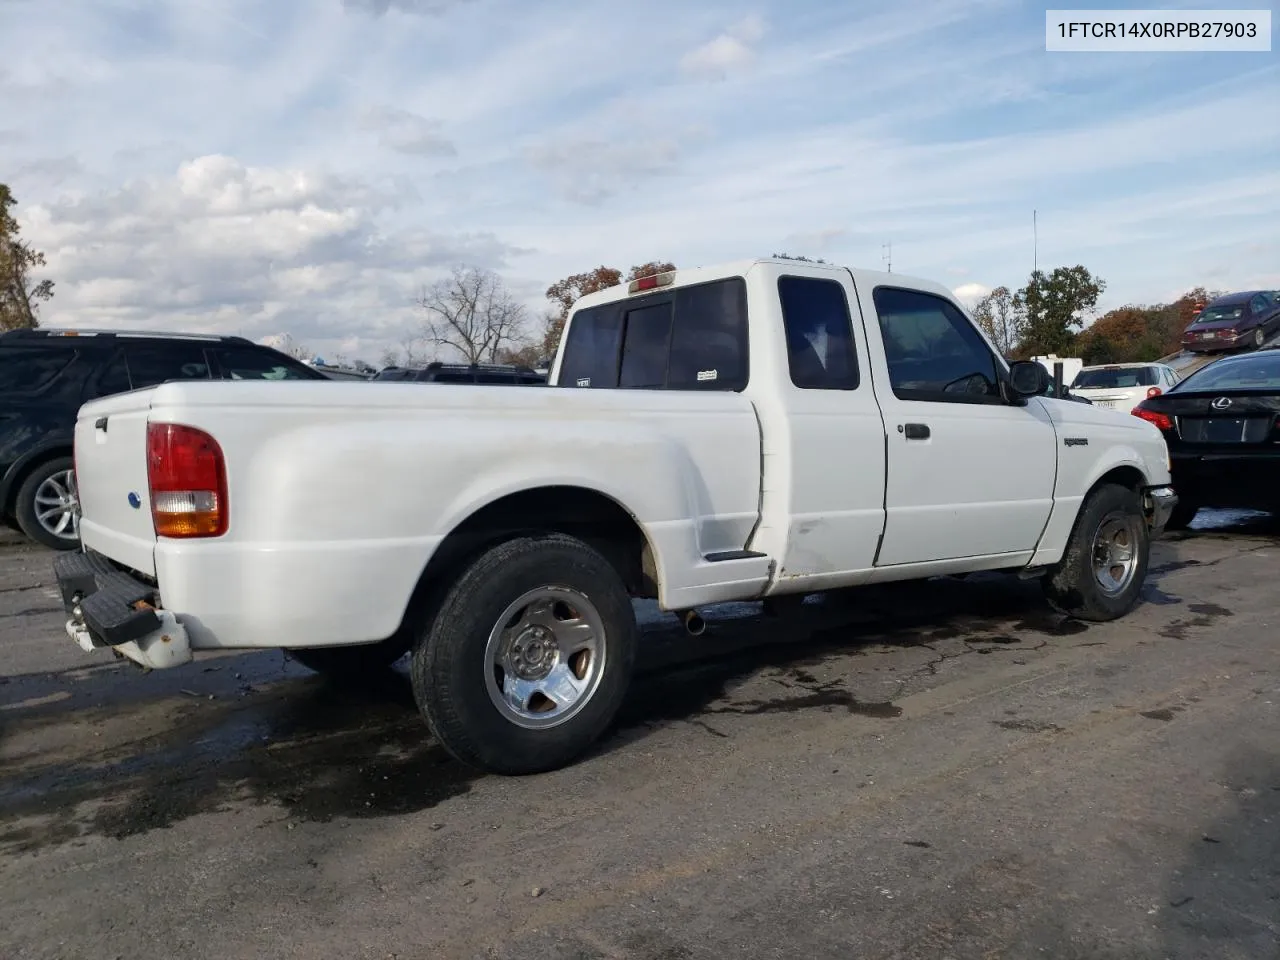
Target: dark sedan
point(1222, 425)
point(1234, 321)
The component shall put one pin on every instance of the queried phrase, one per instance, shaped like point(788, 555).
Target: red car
point(1234, 321)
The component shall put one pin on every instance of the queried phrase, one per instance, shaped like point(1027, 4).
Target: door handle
point(916, 431)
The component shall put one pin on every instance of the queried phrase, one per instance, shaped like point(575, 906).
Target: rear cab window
point(1115, 379)
point(687, 338)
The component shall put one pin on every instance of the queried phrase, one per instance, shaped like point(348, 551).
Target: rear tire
point(528, 656)
point(1259, 338)
point(1101, 573)
point(45, 505)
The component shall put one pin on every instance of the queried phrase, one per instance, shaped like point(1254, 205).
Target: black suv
point(45, 375)
point(438, 372)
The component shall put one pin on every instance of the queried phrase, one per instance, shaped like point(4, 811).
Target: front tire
point(47, 503)
point(526, 661)
point(1101, 573)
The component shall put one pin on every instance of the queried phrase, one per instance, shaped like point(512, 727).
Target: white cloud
point(727, 52)
point(407, 132)
point(223, 246)
point(970, 293)
point(588, 171)
point(378, 8)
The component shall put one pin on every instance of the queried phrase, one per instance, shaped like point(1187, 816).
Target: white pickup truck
point(749, 431)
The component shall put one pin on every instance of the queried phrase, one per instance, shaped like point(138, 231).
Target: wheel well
point(576, 511)
point(1126, 476)
point(18, 479)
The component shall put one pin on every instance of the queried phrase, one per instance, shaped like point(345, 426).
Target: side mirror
point(1027, 379)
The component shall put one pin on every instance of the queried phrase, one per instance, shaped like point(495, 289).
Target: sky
point(308, 166)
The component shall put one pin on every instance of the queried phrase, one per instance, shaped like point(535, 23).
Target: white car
point(755, 430)
point(1122, 386)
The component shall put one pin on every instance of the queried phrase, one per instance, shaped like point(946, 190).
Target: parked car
point(45, 375)
point(1234, 321)
point(757, 430)
point(486, 373)
point(1120, 386)
point(1222, 425)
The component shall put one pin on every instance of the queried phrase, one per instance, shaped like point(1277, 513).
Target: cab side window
point(150, 364)
point(246, 363)
point(114, 377)
point(933, 351)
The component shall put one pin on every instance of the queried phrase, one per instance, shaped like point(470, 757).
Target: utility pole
point(1035, 244)
point(886, 254)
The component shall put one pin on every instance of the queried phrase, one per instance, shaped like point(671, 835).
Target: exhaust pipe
point(693, 623)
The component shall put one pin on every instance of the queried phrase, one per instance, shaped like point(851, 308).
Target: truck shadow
point(315, 751)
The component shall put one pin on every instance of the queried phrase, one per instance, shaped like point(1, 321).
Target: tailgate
point(111, 474)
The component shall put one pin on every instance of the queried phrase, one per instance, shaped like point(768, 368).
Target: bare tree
point(471, 312)
point(293, 348)
point(1000, 318)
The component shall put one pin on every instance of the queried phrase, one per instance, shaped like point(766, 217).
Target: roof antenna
point(886, 254)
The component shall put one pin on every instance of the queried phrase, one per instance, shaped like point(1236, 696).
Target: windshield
point(1115, 379)
point(1260, 371)
point(1225, 311)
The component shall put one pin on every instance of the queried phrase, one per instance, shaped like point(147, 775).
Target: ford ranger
point(756, 430)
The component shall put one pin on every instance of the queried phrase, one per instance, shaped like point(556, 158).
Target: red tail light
point(1153, 392)
point(1161, 420)
point(188, 481)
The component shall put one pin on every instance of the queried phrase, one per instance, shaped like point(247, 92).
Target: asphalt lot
point(937, 770)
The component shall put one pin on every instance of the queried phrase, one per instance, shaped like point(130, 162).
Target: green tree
point(20, 296)
point(1056, 305)
point(563, 294)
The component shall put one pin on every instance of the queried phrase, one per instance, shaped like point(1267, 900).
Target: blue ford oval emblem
point(135, 501)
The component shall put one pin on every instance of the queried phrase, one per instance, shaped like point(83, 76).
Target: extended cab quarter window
point(933, 352)
point(690, 338)
point(819, 332)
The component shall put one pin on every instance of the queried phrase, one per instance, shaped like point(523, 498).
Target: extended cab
point(753, 430)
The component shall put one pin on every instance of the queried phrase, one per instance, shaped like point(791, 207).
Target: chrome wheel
point(57, 503)
point(1259, 338)
point(545, 657)
point(1115, 552)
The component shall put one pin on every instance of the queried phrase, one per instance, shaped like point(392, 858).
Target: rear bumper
point(109, 608)
point(1217, 344)
point(1246, 480)
point(1159, 503)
